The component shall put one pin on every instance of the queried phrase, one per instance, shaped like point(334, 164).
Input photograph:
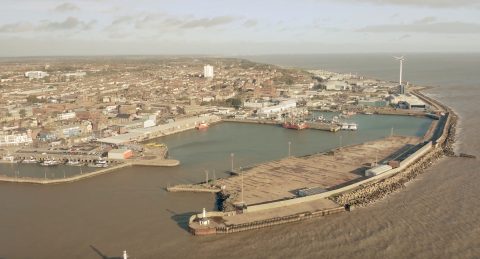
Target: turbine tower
point(401, 59)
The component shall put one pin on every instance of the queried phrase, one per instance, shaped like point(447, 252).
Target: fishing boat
point(30, 160)
point(349, 126)
point(50, 162)
point(202, 125)
point(295, 125)
point(74, 163)
point(9, 159)
point(99, 163)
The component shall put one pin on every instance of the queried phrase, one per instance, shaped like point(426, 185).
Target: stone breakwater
point(372, 192)
point(375, 191)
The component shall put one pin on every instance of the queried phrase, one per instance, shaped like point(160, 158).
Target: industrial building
point(120, 154)
point(282, 106)
point(377, 170)
point(36, 74)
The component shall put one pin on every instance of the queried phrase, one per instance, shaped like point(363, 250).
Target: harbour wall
point(64, 180)
point(118, 165)
point(233, 228)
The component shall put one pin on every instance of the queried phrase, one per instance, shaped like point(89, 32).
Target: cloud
point(165, 21)
point(122, 20)
point(16, 27)
point(208, 22)
point(428, 19)
point(70, 23)
point(66, 7)
point(250, 23)
point(426, 25)
point(426, 3)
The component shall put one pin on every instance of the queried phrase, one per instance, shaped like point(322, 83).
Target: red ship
point(296, 126)
point(202, 125)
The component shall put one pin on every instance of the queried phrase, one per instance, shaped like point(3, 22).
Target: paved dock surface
point(277, 180)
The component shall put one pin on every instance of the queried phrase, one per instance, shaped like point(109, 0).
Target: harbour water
point(436, 216)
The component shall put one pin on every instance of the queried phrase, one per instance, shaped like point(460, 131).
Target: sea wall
point(233, 228)
point(376, 190)
point(63, 180)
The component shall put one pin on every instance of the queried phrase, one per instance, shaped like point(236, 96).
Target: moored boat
point(295, 125)
point(50, 162)
point(30, 160)
point(99, 163)
point(202, 125)
point(9, 159)
point(349, 126)
point(74, 163)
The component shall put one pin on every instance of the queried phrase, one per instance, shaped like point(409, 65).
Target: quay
point(115, 165)
point(311, 125)
point(64, 180)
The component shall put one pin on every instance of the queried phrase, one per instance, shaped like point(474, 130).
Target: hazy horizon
point(194, 55)
point(231, 28)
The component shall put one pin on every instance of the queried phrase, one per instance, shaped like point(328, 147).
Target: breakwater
point(444, 139)
point(63, 180)
point(113, 167)
point(197, 229)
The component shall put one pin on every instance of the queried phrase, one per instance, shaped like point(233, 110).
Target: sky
point(227, 27)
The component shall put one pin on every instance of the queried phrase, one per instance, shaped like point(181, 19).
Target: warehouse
point(120, 154)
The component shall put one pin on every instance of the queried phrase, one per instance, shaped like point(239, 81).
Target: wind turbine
point(401, 59)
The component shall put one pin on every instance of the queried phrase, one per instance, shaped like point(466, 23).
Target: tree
point(22, 113)
point(235, 102)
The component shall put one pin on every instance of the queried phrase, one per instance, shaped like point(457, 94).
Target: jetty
point(311, 125)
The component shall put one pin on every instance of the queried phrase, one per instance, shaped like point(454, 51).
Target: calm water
point(436, 216)
point(252, 143)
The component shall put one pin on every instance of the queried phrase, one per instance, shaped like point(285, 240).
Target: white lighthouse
point(204, 220)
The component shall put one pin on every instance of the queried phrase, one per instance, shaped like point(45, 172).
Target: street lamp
point(243, 202)
point(289, 148)
point(231, 159)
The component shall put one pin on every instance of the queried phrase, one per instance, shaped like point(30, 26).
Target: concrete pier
point(311, 125)
point(64, 180)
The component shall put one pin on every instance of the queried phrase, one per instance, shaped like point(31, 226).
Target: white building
point(36, 74)
point(208, 71)
point(15, 139)
point(66, 116)
point(76, 74)
point(283, 106)
point(337, 86)
point(256, 105)
point(407, 101)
